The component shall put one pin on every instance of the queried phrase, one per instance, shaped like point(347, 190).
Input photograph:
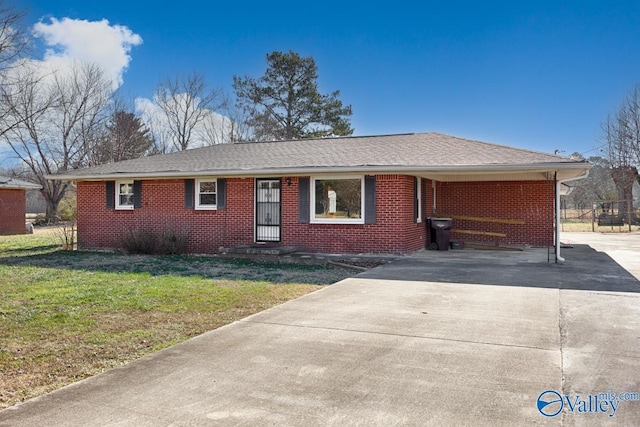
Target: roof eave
point(21, 187)
point(293, 171)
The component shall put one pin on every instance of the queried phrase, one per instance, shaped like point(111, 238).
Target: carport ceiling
point(530, 175)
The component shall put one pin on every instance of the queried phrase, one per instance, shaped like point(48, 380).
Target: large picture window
point(206, 194)
point(338, 200)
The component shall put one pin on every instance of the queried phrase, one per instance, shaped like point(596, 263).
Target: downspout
point(557, 210)
point(556, 186)
point(433, 205)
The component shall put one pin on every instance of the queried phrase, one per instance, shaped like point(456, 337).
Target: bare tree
point(621, 132)
point(58, 116)
point(161, 135)
point(14, 42)
point(597, 186)
point(13, 39)
point(186, 103)
point(228, 127)
point(216, 129)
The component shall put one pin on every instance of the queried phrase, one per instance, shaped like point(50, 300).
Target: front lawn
point(68, 315)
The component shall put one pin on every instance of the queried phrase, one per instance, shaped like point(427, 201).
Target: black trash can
point(439, 233)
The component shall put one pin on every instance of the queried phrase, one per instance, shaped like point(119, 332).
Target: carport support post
point(557, 217)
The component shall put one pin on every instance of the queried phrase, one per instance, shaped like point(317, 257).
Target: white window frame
point(314, 220)
point(117, 195)
point(199, 206)
point(419, 198)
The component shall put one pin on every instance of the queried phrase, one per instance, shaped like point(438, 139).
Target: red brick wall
point(13, 208)
point(395, 230)
point(163, 208)
point(523, 210)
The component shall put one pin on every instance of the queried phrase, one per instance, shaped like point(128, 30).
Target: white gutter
point(296, 171)
point(557, 191)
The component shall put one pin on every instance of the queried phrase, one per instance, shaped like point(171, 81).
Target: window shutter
point(110, 188)
point(370, 199)
point(189, 187)
point(137, 194)
point(221, 193)
point(304, 202)
point(415, 199)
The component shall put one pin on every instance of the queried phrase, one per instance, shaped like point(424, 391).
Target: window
point(124, 195)
point(206, 194)
point(337, 200)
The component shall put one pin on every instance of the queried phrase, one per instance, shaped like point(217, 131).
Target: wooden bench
point(610, 220)
point(482, 233)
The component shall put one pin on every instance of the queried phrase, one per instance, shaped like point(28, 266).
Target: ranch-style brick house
point(368, 194)
point(13, 204)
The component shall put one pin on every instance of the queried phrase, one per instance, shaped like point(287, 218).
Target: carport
point(446, 198)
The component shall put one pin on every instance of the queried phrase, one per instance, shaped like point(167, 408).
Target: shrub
point(67, 210)
point(67, 235)
point(172, 242)
point(140, 241)
point(143, 241)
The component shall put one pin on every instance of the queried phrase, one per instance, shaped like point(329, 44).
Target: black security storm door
point(268, 210)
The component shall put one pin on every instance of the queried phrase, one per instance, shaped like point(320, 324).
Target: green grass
point(68, 315)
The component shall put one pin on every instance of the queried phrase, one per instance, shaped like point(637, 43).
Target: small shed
point(13, 204)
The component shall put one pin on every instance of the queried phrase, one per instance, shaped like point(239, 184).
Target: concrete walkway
point(624, 248)
point(451, 338)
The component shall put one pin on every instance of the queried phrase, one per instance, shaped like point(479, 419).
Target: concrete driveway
point(440, 338)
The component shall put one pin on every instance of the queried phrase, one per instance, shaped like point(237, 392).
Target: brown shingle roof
point(415, 151)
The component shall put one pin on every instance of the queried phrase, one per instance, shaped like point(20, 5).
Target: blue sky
point(540, 75)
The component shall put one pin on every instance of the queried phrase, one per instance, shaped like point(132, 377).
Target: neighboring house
point(13, 205)
point(278, 193)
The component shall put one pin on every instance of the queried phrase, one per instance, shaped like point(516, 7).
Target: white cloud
point(71, 40)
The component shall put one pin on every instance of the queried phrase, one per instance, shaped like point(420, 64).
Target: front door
point(268, 218)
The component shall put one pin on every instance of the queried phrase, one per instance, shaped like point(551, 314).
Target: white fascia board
point(303, 171)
